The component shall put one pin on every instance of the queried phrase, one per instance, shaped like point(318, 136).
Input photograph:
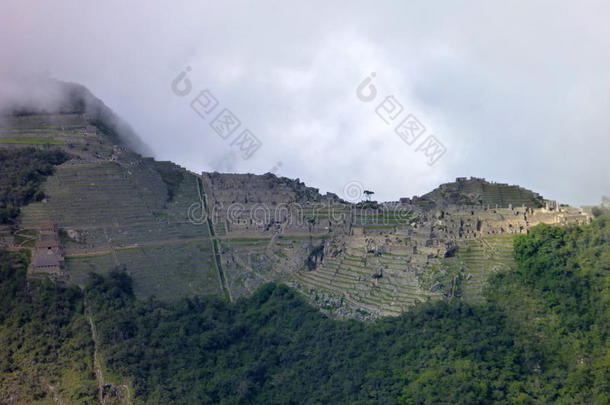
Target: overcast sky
point(516, 91)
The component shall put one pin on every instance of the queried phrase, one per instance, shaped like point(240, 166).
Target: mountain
point(540, 336)
point(125, 280)
point(178, 233)
point(53, 108)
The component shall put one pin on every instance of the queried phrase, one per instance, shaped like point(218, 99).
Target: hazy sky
point(516, 91)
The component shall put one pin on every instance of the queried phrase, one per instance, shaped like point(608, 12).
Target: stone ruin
point(48, 254)
point(384, 268)
point(356, 260)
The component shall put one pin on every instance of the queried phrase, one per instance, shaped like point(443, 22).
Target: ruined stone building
point(48, 255)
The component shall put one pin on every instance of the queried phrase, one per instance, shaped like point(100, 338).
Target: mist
point(515, 93)
point(35, 94)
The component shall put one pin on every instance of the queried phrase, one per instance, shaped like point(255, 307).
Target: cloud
point(516, 94)
point(23, 93)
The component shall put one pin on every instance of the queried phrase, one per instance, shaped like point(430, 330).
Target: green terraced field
point(350, 278)
point(171, 271)
point(32, 141)
point(126, 209)
point(165, 271)
point(478, 259)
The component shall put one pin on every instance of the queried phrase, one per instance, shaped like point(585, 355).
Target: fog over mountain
point(32, 94)
point(514, 94)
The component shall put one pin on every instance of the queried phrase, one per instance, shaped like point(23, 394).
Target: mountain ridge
point(178, 233)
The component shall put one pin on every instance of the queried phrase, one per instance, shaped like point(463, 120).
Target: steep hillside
point(46, 351)
point(542, 337)
point(177, 233)
point(488, 303)
point(53, 112)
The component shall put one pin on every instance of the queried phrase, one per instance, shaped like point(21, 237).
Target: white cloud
point(517, 92)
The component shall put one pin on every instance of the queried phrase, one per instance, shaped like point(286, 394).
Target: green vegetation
point(168, 271)
point(272, 348)
point(247, 240)
point(172, 179)
point(559, 298)
point(474, 260)
point(22, 171)
point(45, 344)
point(315, 254)
point(541, 337)
point(26, 238)
point(281, 255)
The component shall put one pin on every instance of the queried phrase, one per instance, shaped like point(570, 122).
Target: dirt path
point(125, 397)
point(99, 374)
point(141, 244)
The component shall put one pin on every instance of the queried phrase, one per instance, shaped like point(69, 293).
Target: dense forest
point(45, 342)
point(22, 171)
point(542, 337)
